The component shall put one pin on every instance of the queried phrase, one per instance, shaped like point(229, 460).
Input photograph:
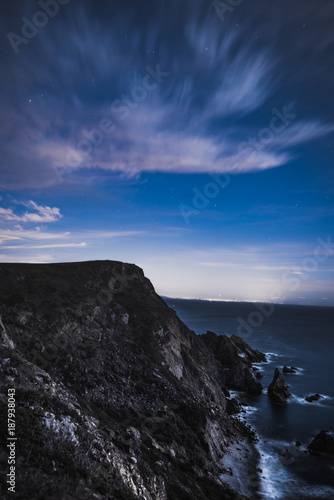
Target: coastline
point(241, 464)
point(272, 462)
point(291, 339)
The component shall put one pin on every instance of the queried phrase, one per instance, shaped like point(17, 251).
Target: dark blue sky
point(192, 138)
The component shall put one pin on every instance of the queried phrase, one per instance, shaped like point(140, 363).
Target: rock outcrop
point(278, 390)
point(115, 396)
point(236, 358)
point(322, 443)
point(286, 369)
point(313, 398)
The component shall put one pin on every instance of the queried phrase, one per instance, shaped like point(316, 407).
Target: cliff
point(115, 397)
point(236, 358)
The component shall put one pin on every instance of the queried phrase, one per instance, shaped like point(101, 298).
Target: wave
point(259, 367)
point(270, 357)
point(277, 481)
point(249, 411)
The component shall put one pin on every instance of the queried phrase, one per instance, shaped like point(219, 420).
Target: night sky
point(192, 138)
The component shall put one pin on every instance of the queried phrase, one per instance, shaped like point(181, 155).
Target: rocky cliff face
point(235, 357)
point(115, 397)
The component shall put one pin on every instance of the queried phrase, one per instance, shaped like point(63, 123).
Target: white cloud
point(41, 214)
point(244, 86)
point(19, 234)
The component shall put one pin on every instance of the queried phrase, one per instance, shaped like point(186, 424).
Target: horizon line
point(237, 301)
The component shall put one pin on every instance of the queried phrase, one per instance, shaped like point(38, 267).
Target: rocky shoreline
point(241, 464)
point(116, 398)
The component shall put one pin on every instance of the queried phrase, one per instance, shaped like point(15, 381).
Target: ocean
point(299, 336)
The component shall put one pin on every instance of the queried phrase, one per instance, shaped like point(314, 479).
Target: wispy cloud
point(193, 122)
point(42, 213)
point(19, 244)
point(300, 133)
point(20, 234)
point(57, 245)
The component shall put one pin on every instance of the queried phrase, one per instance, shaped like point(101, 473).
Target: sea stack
point(278, 390)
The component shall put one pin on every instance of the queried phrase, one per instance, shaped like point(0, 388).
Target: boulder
point(278, 390)
point(314, 397)
point(322, 443)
